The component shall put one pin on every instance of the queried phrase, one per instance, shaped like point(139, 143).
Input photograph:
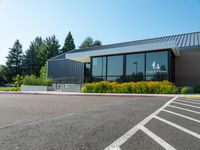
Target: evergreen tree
point(48, 49)
point(89, 42)
point(3, 78)
point(14, 60)
point(69, 43)
point(31, 63)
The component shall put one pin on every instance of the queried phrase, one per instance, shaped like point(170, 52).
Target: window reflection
point(115, 65)
point(135, 67)
point(99, 66)
point(157, 65)
point(98, 79)
point(116, 79)
point(110, 68)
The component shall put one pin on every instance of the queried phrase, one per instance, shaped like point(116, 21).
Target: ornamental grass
point(143, 87)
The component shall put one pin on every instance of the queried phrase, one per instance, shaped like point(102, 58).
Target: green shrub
point(150, 87)
point(185, 90)
point(32, 80)
point(197, 89)
point(43, 72)
point(18, 80)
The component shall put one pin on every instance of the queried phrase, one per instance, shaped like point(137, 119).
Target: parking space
point(30, 122)
point(99, 122)
point(176, 125)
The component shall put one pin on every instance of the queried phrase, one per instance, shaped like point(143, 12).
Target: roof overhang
point(85, 55)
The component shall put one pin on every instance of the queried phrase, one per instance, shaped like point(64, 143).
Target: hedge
point(32, 80)
point(147, 87)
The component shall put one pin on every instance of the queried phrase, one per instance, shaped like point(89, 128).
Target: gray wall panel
point(65, 70)
point(187, 68)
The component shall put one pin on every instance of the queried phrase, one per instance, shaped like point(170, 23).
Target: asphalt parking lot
point(55, 122)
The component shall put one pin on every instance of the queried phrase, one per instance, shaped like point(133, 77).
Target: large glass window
point(138, 67)
point(98, 79)
point(157, 65)
point(115, 65)
point(135, 67)
point(99, 66)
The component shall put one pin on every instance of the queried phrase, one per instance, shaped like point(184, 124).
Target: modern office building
point(175, 58)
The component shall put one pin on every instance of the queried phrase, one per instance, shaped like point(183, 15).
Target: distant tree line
point(36, 56)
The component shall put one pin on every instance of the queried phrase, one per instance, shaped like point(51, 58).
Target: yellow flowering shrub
point(148, 87)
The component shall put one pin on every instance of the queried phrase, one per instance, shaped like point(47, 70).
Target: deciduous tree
point(89, 42)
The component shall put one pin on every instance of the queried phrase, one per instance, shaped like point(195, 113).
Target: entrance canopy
point(84, 55)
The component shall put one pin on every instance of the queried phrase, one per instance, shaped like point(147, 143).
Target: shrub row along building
point(175, 58)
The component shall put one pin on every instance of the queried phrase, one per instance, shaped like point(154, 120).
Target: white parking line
point(186, 104)
point(194, 100)
point(121, 140)
point(184, 109)
point(157, 138)
point(177, 114)
point(178, 127)
point(116, 148)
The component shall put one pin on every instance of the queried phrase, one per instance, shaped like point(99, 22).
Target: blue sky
point(110, 21)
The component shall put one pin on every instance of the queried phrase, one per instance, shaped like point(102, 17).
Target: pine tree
point(14, 60)
point(48, 49)
point(31, 62)
point(3, 73)
point(69, 43)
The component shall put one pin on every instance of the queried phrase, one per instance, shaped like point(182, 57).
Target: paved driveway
point(17, 109)
point(91, 123)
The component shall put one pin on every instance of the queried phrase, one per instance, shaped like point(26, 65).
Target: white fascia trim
point(85, 56)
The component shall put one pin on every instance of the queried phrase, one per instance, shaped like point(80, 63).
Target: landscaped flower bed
point(146, 87)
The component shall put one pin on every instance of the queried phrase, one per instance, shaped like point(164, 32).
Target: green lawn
point(9, 89)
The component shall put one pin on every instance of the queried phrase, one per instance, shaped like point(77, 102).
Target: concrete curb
point(99, 94)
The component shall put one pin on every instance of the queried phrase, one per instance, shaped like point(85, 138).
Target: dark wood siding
point(187, 68)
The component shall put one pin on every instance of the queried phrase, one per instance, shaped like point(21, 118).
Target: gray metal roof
point(181, 40)
point(61, 56)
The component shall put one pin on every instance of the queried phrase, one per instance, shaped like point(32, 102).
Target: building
point(63, 70)
point(175, 58)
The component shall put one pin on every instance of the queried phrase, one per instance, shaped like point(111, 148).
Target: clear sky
point(110, 21)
